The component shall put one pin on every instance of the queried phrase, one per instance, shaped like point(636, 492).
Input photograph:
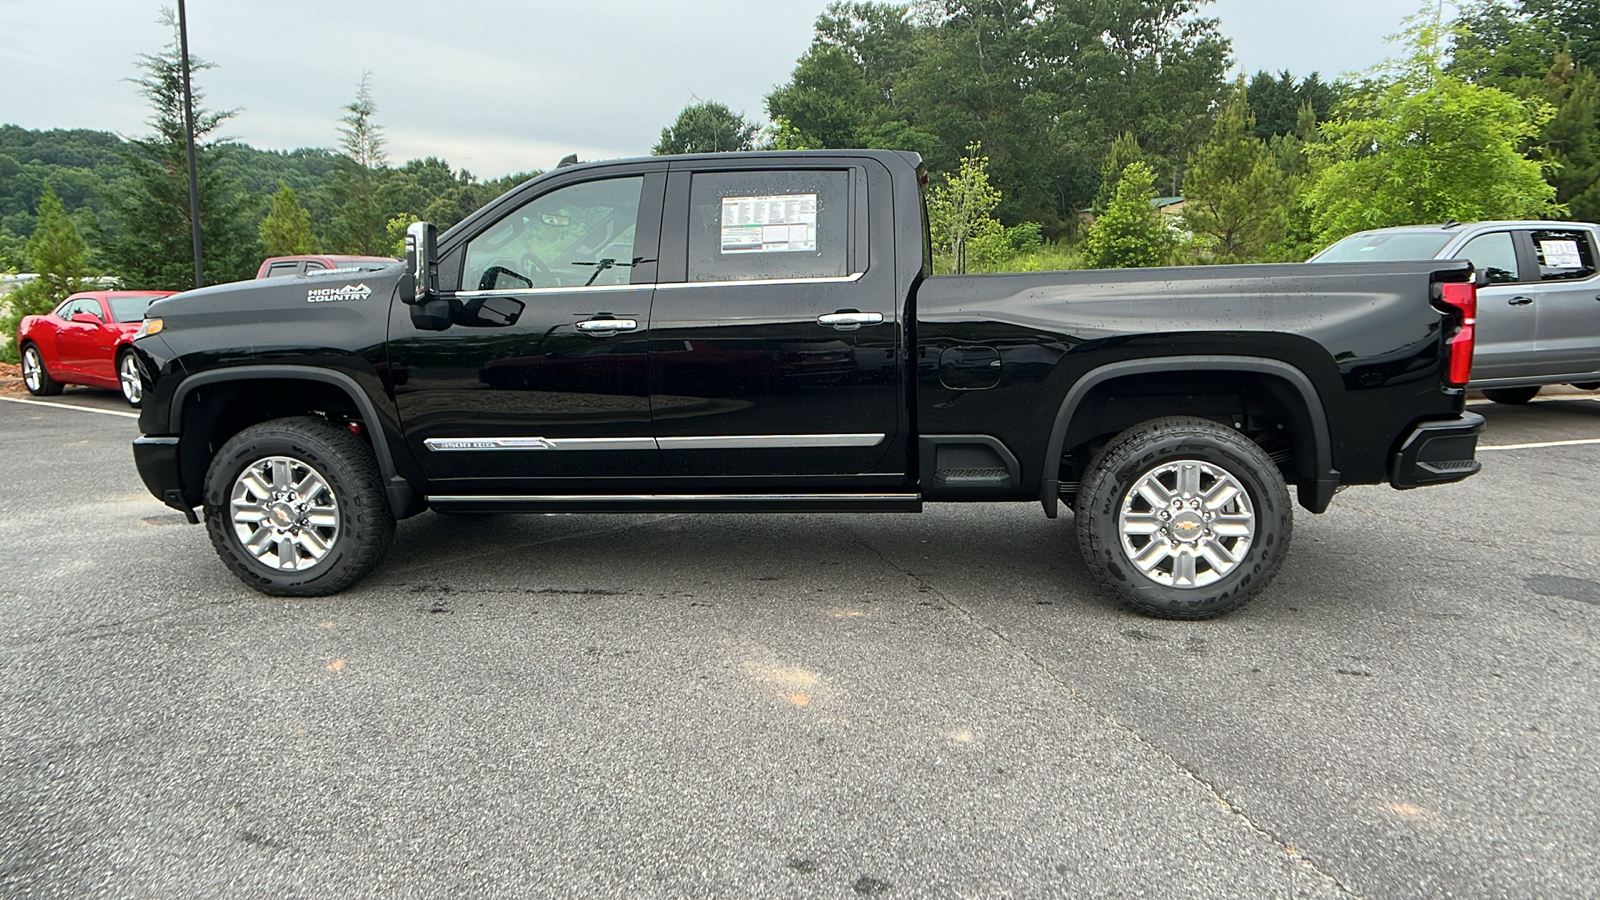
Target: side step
point(655, 503)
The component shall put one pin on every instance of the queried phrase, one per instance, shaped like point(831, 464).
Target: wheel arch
point(1310, 432)
point(337, 389)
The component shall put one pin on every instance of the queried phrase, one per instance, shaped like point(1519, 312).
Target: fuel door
point(969, 368)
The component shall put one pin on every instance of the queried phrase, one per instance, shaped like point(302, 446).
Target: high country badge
point(335, 295)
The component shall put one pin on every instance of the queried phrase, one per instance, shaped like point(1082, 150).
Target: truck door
point(541, 374)
point(1568, 341)
point(775, 329)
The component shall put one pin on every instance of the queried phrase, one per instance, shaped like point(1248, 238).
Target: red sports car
point(84, 341)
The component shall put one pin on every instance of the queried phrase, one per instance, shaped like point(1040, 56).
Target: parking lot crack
point(1295, 854)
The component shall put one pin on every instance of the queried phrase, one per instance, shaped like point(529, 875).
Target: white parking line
point(1534, 446)
point(103, 412)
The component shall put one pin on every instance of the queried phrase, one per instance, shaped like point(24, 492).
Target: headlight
point(148, 327)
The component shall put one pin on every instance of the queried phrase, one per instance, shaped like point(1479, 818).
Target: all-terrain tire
point(317, 544)
point(1233, 488)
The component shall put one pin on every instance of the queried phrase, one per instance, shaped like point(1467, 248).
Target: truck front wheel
point(295, 507)
point(1184, 518)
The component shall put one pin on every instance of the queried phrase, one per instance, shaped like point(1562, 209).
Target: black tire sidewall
point(1127, 459)
point(48, 386)
point(121, 357)
point(343, 460)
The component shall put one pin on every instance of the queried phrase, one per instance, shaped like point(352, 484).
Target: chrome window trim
point(706, 442)
point(671, 286)
point(635, 498)
point(821, 279)
point(573, 289)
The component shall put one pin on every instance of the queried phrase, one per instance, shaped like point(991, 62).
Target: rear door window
point(769, 225)
point(1563, 255)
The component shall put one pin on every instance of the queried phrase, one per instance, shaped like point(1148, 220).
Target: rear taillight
point(1461, 299)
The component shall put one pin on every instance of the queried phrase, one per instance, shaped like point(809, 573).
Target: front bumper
point(1437, 452)
point(157, 461)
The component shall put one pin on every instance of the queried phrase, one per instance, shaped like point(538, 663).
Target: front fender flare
point(403, 498)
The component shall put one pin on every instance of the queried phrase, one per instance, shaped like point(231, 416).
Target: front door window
point(576, 236)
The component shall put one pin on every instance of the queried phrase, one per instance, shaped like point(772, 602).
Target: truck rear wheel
point(296, 507)
point(1183, 518)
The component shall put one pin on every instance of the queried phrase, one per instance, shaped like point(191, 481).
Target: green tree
point(960, 213)
point(1237, 198)
point(12, 251)
point(360, 222)
point(1130, 233)
point(151, 245)
point(707, 127)
point(1571, 140)
point(1124, 151)
point(286, 231)
point(1426, 146)
point(57, 252)
point(1044, 86)
point(1577, 20)
point(1276, 102)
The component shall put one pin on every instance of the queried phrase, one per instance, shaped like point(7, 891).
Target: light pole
point(188, 134)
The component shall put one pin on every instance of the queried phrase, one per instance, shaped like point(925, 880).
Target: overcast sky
point(499, 87)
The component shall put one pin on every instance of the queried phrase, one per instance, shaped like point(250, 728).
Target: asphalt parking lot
point(803, 705)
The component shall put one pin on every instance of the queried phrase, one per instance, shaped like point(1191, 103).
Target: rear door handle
point(1524, 301)
point(607, 327)
point(850, 321)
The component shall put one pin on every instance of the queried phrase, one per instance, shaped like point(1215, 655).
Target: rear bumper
point(1438, 452)
point(157, 461)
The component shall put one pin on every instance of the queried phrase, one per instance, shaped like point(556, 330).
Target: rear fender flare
point(1315, 500)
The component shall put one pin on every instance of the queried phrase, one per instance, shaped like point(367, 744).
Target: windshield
point(131, 309)
point(1385, 246)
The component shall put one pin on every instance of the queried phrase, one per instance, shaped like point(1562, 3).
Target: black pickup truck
point(763, 332)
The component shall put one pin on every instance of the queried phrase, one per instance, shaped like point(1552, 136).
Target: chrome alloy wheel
point(128, 377)
point(284, 513)
point(1186, 523)
point(32, 369)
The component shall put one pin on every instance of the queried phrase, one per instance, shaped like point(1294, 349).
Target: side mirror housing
point(420, 284)
point(86, 319)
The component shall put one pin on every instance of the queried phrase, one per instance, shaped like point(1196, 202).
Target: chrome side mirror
point(421, 282)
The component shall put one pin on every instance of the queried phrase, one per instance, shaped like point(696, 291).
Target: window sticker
point(1561, 254)
point(781, 223)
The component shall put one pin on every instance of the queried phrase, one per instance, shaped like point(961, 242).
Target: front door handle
point(607, 327)
point(1521, 301)
point(850, 321)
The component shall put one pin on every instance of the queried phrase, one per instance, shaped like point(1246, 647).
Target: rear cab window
point(1563, 254)
point(770, 225)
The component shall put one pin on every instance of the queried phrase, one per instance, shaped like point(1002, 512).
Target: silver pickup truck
point(1538, 316)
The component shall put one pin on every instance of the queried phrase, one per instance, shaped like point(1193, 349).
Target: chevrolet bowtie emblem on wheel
point(334, 295)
